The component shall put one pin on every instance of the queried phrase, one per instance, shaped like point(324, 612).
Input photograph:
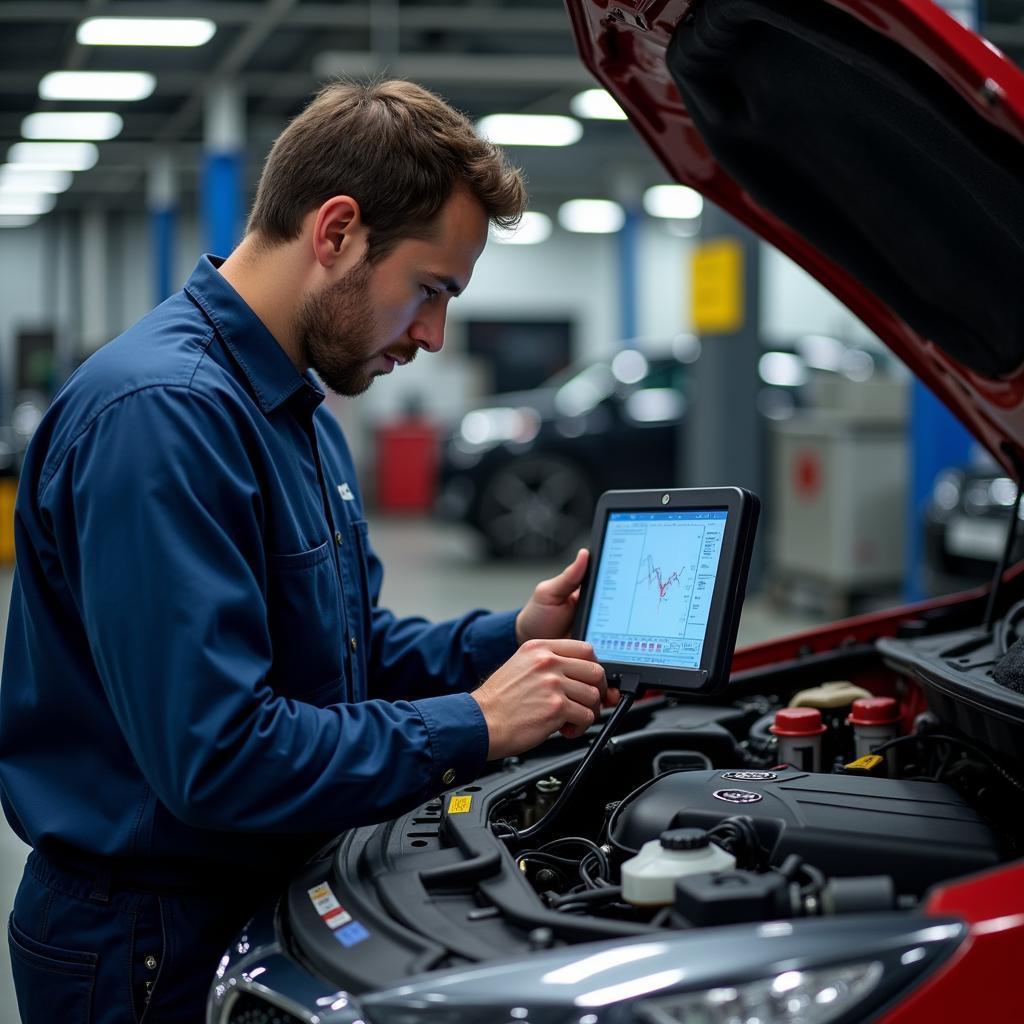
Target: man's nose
point(428, 331)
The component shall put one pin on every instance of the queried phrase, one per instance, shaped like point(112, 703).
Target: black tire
point(536, 506)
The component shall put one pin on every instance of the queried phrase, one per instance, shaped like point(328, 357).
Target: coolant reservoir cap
point(684, 839)
point(874, 711)
point(798, 722)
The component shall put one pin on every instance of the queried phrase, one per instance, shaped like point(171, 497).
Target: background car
point(966, 523)
point(525, 468)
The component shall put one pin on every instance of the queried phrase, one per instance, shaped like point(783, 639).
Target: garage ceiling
point(484, 56)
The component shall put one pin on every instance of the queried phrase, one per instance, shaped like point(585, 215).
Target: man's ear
point(338, 232)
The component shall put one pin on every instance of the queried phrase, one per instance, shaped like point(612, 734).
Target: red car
point(881, 146)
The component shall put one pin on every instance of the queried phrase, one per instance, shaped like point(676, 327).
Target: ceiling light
point(673, 201)
point(26, 204)
point(15, 221)
point(591, 216)
point(15, 178)
point(533, 228)
point(145, 31)
point(96, 85)
point(530, 129)
point(99, 125)
point(58, 156)
point(597, 105)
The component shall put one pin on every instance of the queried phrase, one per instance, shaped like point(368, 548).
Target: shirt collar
point(266, 365)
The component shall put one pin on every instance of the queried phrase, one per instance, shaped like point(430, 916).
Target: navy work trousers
point(87, 949)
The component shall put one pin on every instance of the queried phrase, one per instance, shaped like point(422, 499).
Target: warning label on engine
point(331, 912)
point(459, 804)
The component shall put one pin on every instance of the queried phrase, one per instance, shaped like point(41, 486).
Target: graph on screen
point(654, 586)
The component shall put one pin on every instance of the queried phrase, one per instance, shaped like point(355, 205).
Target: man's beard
point(337, 333)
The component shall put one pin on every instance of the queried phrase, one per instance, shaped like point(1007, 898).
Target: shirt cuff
point(458, 738)
point(492, 641)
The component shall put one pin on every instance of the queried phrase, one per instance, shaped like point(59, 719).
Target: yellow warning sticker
point(867, 762)
point(459, 804)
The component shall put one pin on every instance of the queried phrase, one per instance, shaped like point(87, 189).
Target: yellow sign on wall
point(717, 290)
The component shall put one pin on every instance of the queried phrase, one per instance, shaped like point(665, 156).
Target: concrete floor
point(434, 570)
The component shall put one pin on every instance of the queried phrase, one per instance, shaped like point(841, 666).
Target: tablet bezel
point(742, 506)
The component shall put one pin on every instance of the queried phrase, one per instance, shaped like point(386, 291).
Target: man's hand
point(549, 613)
point(545, 686)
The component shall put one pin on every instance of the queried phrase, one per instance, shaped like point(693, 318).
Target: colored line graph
point(650, 573)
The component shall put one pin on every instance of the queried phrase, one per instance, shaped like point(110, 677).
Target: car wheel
point(536, 506)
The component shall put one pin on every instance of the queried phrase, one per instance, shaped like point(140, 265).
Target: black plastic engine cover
point(919, 833)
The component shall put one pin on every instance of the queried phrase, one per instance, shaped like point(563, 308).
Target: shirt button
point(337, 537)
point(352, 642)
point(150, 962)
point(449, 777)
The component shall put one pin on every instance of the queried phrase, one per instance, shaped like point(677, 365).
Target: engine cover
point(919, 833)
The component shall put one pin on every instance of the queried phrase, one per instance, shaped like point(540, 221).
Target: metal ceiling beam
point(428, 68)
point(448, 68)
point(450, 18)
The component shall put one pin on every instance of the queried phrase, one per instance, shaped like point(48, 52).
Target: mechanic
point(199, 687)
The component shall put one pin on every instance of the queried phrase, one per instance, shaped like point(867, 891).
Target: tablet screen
point(654, 586)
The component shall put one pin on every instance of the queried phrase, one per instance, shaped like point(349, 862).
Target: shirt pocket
point(307, 628)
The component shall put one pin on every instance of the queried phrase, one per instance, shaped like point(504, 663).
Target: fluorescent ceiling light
point(674, 202)
point(16, 221)
point(15, 178)
point(530, 129)
point(26, 204)
point(99, 125)
point(533, 228)
point(59, 156)
point(591, 216)
point(145, 31)
point(96, 85)
point(597, 105)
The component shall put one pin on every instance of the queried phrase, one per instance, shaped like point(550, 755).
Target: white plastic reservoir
point(649, 878)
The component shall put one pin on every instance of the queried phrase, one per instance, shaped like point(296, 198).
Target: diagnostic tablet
point(668, 569)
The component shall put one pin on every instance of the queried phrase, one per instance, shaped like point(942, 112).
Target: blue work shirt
point(197, 668)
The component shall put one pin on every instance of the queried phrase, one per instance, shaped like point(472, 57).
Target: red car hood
point(877, 142)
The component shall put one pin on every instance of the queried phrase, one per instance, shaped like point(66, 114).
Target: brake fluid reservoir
point(649, 878)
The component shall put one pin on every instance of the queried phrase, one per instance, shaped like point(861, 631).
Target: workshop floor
point(434, 570)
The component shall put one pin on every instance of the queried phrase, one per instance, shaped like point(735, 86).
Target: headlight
point(793, 997)
point(484, 428)
point(946, 491)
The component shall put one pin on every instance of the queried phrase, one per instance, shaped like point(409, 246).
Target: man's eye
point(429, 292)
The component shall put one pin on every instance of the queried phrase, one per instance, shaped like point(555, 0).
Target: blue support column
point(222, 187)
point(223, 164)
point(162, 200)
point(628, 240)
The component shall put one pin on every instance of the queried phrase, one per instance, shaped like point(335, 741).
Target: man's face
point(380, 315)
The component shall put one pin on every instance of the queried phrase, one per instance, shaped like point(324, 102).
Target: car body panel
point(987, 962)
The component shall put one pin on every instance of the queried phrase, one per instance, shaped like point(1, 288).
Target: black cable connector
point(629, 685)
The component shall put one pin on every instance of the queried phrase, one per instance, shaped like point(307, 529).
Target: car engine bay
point(888, 771)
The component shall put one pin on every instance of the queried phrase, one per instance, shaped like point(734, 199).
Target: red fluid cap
point(798, 722)
point(874, 711)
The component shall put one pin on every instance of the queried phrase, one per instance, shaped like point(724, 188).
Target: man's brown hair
point(393, 146)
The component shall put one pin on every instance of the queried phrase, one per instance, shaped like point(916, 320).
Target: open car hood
point(878, 143)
